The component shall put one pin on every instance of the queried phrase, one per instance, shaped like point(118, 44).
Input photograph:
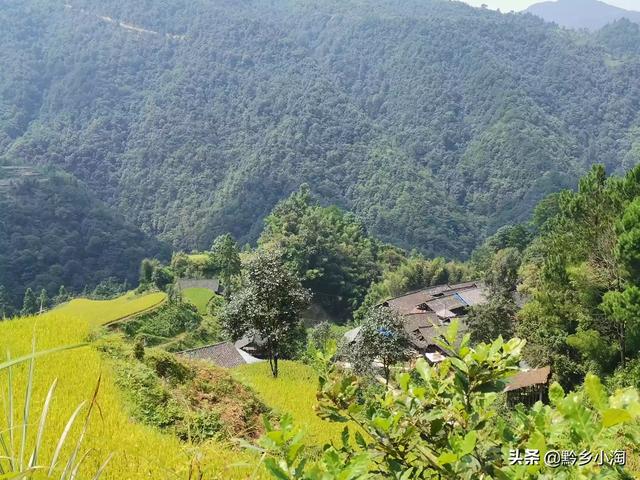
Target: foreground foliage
point(16, 461)
point(443, 422)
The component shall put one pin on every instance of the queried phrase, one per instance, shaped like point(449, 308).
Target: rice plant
point(21, 441)
point(137, 452)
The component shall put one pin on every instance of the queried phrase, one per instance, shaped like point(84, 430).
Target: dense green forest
point(54, 232)
point(434, 122)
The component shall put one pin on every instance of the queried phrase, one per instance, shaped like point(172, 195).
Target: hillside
point(433, 121)
point(138, 451)
point(54, 231)
point(589, 14)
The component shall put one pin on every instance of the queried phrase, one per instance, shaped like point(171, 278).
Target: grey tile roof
point(473, 296)
point(223, 354)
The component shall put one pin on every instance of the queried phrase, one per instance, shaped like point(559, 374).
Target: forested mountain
point(589, 14)
point(54, 232)
point(432, 121)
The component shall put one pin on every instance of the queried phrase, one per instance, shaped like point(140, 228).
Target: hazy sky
point(508, 5)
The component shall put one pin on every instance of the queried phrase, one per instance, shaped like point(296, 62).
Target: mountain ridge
point(589, 14)
point(433, 121)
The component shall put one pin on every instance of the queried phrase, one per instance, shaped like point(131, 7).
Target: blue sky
point(508, 5)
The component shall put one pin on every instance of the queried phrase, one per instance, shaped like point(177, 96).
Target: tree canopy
point(434, 122)
point(267, 306)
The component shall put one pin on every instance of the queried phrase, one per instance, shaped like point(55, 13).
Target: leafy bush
point(164, 323)
point(181, 396)
point(200, 426)
point(167, 366)
point(150, 399)
point(445, 424)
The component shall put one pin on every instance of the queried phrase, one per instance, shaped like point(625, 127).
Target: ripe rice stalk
point(14, 462)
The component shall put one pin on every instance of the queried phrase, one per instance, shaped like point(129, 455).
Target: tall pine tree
point(5, 306)
point(30, 303)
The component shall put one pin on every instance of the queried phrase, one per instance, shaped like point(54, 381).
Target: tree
point(329, 249)
point(62, 296)
point(180, 264)
point(162, 277)
point(268, 305)
point(492, 320)
point(43, 301)
point(502, 277)
point(147, 267)
point(5, 306)
point(628, 247)
point(29, 304)
point(623, 310)
point(585, 249)
point(226, 258)
point(441, 422)
point(382, 338)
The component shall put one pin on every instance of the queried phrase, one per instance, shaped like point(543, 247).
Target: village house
point(222, 354)
point(429, 311)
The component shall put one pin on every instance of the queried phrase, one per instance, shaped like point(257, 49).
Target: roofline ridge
point(206, 346)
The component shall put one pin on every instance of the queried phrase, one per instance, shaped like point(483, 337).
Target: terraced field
point(294, 392)
point(138, 452)
point(199, 297)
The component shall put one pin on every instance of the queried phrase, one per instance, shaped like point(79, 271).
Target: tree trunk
point(273, 362)
point(623, 347)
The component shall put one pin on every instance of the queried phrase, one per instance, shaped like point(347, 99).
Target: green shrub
point(167, 366)
point(114, 347)
point(200, 426)
point(445, 424)
point(629, 376)
point(165, 323)
point(150, 399)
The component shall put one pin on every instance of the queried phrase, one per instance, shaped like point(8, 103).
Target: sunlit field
point(294, 392)
point(138, 452)
point(100, 312)
point(199, 297)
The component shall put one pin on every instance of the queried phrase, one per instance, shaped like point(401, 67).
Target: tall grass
point(137, 451)
point(15, 460)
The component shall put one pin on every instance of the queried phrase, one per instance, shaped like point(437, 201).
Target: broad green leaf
point(362, 443)
point(275, 469)
point(447, 457)
point(459, 364)
point(614, 416)
point(556, 393)
point(468, 443)
point(595, 392)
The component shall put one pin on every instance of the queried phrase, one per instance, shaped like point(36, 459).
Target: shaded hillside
point(432, 121)
point(54, 232)
point(589, 14)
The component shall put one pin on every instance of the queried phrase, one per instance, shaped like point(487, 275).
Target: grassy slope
point(294, 392)
point(140, 452)
point(199, 297)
